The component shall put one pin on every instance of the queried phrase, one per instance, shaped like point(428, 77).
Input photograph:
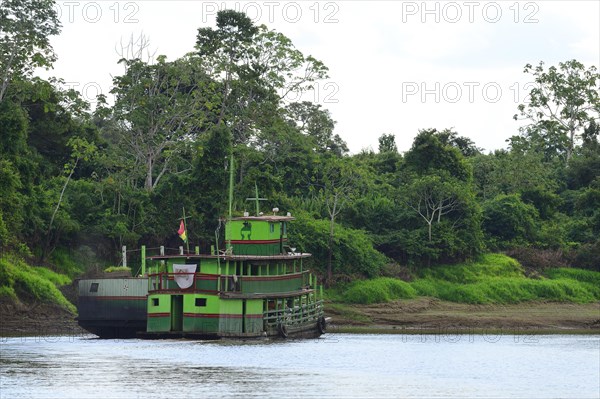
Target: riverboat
point(258, 286)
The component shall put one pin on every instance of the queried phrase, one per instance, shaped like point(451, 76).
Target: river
point(334, 366)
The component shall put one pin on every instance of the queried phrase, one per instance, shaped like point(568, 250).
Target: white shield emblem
point(183, 275)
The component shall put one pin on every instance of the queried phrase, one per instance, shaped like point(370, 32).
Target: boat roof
point(268, 218)
point(232, 257)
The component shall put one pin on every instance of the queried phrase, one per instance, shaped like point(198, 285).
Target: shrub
point(538, 259)
point(113, 269)
point(588, 256)
point(380, 290)
point(58, 279)
point(353, 252)
point(26, 282)
point(489, 265)
point(507, 219)
point(8, 292)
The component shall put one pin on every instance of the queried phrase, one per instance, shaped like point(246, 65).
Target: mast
point(231, 164)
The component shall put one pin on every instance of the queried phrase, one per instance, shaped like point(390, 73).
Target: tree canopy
point(121, 174)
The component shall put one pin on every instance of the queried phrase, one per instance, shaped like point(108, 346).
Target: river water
point(334, 366)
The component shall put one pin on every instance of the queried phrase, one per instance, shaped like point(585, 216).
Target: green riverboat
point(257, 287)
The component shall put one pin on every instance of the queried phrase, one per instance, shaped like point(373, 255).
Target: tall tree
point(430, 154)
point(432, 197)
point(341, 182)
point(387, 143)
point(315, 122)
point(158, 109)
point(26, 27)
point(566, 98)
point(256, 67)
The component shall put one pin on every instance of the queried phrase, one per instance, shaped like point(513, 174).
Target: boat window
point(272, 227)
point(94, 287)
point(154, 301)
point(200, 301)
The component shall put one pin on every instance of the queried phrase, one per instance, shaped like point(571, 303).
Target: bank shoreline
point(425, 316)
point(432, 316)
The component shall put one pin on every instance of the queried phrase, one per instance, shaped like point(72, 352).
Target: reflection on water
point(336, 365)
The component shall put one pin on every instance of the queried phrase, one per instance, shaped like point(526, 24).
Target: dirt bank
point(404, 316)
point(36, 319)
point(429, 314)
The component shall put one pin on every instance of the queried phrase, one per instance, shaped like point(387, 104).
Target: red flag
point(181, 231)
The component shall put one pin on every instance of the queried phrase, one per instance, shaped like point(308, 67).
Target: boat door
point(176, 312)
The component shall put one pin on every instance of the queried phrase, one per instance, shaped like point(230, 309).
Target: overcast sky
point(395, 66)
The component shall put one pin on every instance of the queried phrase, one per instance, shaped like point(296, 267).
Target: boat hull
point(120, 308)
point(112, 307)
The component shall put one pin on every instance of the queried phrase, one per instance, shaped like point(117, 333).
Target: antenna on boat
point(257, 199)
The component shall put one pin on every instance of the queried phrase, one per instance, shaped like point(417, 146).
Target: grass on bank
point(494, 278)
point(19, 281)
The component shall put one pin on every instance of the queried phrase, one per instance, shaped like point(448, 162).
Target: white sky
point(395, 66)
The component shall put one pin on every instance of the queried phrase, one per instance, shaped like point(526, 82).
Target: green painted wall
point(209, 266)
point(204, 324)
point(253, 286)
point(254, 307)
point(257, 249)
point(233, 324)
point(163, 323)
point(252, 230)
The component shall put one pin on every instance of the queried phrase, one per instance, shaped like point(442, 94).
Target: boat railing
point(167, 281)
point(297, 315)
point(164, 281)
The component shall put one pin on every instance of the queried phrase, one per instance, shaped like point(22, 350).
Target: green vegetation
point(18, 281)
point(379, 290)
point(113, 269)
point(76, 185)
point(493, 278)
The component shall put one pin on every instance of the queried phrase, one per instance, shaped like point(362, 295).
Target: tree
point(432, 197)
point(437, 188)
point(429, 155)
point(564, 99)
point(212, 174)
point(509, 220)
point(387, 143)
point(339, 184)
point(464, 144)
point(82, 150)
point(512, 172)
point(546, 138)
point(26, 27)
point(256, 69)
point(315, 122)
point(158, 109)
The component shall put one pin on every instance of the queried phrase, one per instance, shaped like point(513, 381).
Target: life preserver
point(322, 325)
point(283, 332)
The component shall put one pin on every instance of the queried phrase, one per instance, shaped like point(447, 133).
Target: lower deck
point(213, 315)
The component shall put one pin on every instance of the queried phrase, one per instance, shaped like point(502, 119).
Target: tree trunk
point(46, 250)
point(148, 184)
point(570, 145)
point(330, 253)
point(429, 227)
